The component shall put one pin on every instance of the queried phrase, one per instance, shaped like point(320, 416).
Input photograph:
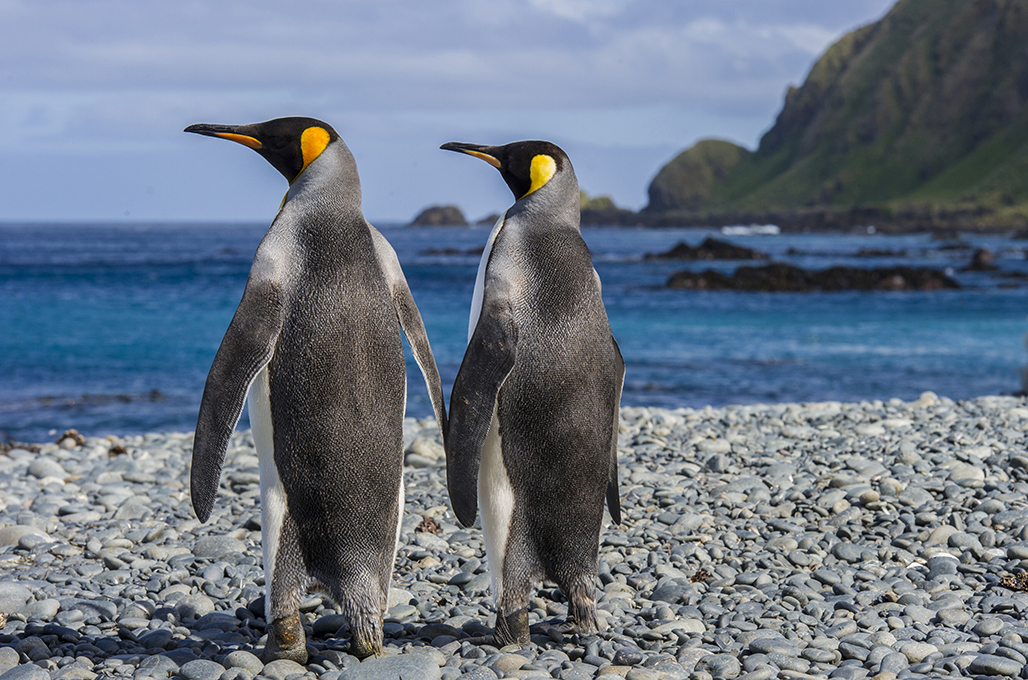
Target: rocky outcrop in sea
point(785, 278)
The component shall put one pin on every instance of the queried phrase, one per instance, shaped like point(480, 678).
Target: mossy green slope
point(926, 108)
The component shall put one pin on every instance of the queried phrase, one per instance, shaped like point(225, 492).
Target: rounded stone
point(201, 669)
point(990, 664)
point(720, 666)
point(8, 659)
point(26, 671)
point(12, 534)
point(194, 607)
point(627, 656)
point(46, 467)
point(243, 659)
point(218, 546)
point(43, 609)
point(400, 666)
point(987, 627)
point(13, 596)
point(917, 651)
point(771, 645)
point(894, 663)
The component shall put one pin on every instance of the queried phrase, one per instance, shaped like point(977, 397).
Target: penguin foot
point(511, 629)
point(365, 636)
point(286, 640)
point(364, 648)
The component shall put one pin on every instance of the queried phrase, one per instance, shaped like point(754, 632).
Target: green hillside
point(924, 111)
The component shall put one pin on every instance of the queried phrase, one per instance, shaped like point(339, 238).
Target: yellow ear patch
point(312, 142)
point(543, 168)
point(245, 140)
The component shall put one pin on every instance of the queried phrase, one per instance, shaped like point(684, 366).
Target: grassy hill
point(923, 113)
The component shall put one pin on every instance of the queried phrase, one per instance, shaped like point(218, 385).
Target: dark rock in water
point(488, 220)
point(876, 252)
point(710, 249)
point(982, 261)
point(452, 251)
point(440, 216)
point(779, 277)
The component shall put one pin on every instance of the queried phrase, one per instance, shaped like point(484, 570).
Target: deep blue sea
point(111, 329)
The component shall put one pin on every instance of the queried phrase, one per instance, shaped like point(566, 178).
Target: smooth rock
point(201, 669)
point(983, 664)
point(218, 547)
point(26, 671)
point(398, 667)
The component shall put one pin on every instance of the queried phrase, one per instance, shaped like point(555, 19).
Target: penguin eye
point(540, 172)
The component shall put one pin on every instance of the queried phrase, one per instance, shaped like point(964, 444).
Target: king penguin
point(315, 342)
point(532, 438)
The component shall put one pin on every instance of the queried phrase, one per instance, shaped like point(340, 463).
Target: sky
point(94, 95)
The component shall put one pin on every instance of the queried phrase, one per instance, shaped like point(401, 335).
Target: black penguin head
point(289, 144)
point(524, 166)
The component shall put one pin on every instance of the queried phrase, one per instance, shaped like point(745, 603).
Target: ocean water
point(111, 329)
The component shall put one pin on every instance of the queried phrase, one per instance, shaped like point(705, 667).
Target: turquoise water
point(111, 329)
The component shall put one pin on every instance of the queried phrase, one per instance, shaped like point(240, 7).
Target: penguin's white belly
point(496, 501)
point(479, 294)
point(273, 494)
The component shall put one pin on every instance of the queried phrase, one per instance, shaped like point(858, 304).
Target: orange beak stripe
point(485, 157)
point(245, 140)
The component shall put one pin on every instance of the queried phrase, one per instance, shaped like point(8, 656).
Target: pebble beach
point(874, 539)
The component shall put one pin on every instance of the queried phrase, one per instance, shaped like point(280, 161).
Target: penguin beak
point(230, 132)
point(486, 153)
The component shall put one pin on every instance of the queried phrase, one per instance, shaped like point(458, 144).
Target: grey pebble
point(46, 467)
point(201, 669)
point(26, 671)
point(626, 656)
point(218, 546)
point(989, 664)
point(244, 659)
point(8, 659)
point(281, 669)
point(393, 668)
point(13, 596)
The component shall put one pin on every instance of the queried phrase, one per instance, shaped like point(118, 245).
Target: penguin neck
point(334, 171)
point(556, 203)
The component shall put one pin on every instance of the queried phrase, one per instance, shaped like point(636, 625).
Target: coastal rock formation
point(440, 216)
point(710, 249)
point(781, 278)
point(982, 261)
point(923, 110)
point(692, 180)
point(601, 211)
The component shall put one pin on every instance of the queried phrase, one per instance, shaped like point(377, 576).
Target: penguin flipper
point(411, 324)
point(247, 347)
point(487, 363)
point(613, 497)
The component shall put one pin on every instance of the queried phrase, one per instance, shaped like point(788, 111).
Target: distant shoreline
point(824, 220)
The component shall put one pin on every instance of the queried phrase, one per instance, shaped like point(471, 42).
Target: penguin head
point(289, 144)
point(526, 167)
